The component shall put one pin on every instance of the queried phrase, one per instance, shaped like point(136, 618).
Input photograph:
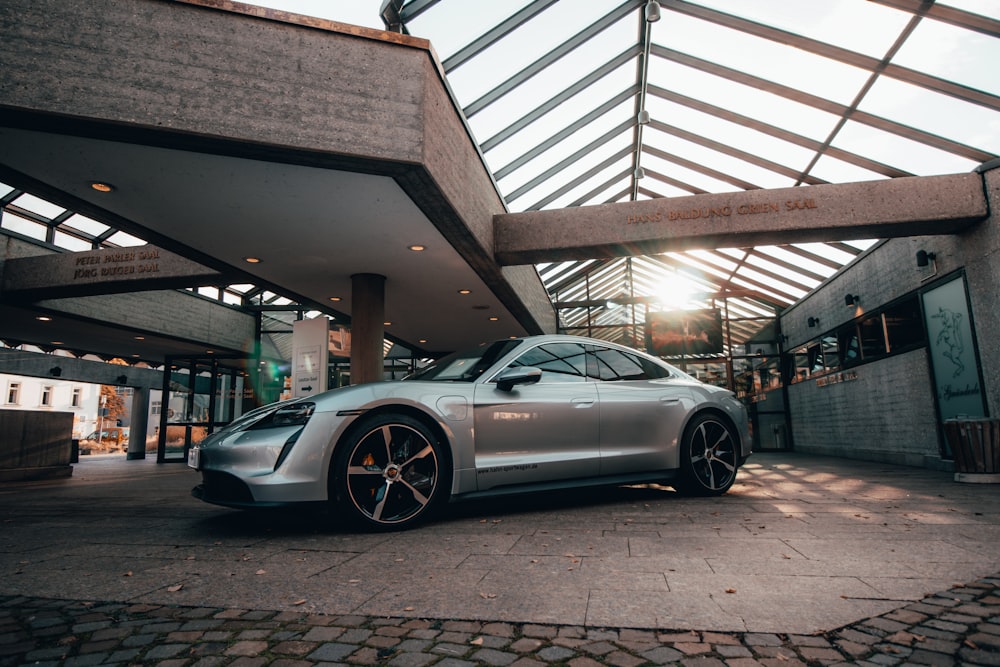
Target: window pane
point(903, 325)
point(560, 362)
point(872, 338)
point(613, 365)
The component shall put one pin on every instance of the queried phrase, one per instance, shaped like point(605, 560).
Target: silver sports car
point(528, 414)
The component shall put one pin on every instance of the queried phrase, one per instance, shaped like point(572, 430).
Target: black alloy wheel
point(709, 455)
point(390, 472)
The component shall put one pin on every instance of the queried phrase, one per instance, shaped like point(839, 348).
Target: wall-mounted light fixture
point(652, 11)
point(121, 380)
point(925, 258)
point(852, 300)
point(813, 322)
point(55, 371)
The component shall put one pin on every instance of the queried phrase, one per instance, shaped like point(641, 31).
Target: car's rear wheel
point(389, 473)
point(709, 457)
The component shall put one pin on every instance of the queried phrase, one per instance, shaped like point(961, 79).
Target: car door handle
point(669, 400)
point(582, 402)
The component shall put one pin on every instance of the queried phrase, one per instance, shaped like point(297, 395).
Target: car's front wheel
point(389, 473)
point(709, 457)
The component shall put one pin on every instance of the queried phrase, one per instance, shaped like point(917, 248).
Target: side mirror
point(518, 375)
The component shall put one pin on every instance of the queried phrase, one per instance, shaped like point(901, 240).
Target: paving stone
point(494, 657)
point(332, 652)
point(555, 654)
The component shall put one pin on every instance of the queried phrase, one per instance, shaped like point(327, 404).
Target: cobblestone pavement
point(960, 626)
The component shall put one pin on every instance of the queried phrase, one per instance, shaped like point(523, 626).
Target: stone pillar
point(367, 327)
point(138, 421)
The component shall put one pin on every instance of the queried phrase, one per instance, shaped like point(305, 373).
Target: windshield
point(465, 366)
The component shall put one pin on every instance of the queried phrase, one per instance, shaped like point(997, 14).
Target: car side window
point(559, 362)
point(615, 366)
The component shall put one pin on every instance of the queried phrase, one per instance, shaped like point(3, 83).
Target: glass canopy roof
point(580, 103)
point(577, 103)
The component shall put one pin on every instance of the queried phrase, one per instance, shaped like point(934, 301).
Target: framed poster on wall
point(954, 358)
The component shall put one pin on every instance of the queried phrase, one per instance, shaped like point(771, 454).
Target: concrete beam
point(105, 271)
point(914, 206)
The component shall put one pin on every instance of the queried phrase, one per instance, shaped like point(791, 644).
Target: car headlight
point(293, 414)
point(296, 414)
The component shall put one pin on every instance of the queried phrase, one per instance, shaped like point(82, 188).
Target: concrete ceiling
point(312, 228)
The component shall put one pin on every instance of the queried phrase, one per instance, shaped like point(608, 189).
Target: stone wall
point(885, 410)
point(35, 445)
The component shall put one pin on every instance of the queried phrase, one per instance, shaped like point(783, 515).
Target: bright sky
point(355, 12)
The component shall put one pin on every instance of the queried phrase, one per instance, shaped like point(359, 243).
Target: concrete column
point(138, 421)
point(367, 327)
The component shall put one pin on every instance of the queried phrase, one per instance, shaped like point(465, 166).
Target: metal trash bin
point(976, 446)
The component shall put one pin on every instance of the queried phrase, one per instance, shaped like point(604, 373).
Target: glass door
point(200, 395)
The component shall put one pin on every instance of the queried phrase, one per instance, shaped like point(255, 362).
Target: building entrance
point(200, 395)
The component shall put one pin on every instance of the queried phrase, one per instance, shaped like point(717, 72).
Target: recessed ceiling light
point(422, 340)
point(465, 291)
point(252, 260)
point(416, 247)
point(57, 342)
point(140, 337)
point(494, 318)
point(101, 186)
point(334, 298)
point(387, 324)
point(209, 351)
point(43, 318)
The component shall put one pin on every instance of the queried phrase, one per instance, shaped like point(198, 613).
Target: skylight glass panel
point(775, 274)
point(861, 245)
point(566, 147)
point(685, 175)
point(984, 7)
point(70, 242)
point(857, 25)
point(124, 240)
point(534, 40)
point(757, 176)
point(85, 225)
point(922, 160)
point(554, 121)
point(29, 228)
point(5, 190)
point(760, 57)
point(730, 133)
point(963, 56)
point(834, 170)
point(38, 206)
point(453, 23)
point(935, 113)
point(796, 259)
point(756, 103)
point(826, 251)
point(595, 189)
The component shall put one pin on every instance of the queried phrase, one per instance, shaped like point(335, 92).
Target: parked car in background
point(110, 438)
point(518, 415)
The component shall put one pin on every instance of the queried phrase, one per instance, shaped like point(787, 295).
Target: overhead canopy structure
point(579, 103)
point(582, 103)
